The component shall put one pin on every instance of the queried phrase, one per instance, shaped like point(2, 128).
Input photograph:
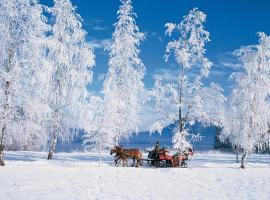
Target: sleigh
point(164, 159)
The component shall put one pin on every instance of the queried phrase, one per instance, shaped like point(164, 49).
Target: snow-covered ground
point(212, 175)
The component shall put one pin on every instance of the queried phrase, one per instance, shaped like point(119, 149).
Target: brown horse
point(135, 154)
point(120, 154)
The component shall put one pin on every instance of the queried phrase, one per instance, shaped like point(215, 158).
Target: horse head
point(113, 150)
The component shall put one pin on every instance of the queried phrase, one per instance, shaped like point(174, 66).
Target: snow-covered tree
point(248, 115)
point(22, 39)
point(123, 84)
point(186, 101)
point(96, 136)
point(71, 61)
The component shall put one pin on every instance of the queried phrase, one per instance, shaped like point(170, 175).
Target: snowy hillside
point(29, 176)
point(144, 140)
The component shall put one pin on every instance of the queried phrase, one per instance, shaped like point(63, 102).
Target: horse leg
point(127, 161)
point(115, 161)
point(136, 162)
point(124, 159)
point(139, 159)
point(139, 162)
point(118, 162)
point(124, 162)
point(133, 164)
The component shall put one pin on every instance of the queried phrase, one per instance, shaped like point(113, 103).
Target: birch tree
point(123, 84)
point(71, 60)
point(248, 116)
point(96, 137)
point(22, 38)
point(185, 101)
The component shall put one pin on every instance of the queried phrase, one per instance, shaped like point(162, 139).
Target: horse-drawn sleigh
point(160, 158)
point(163, 158)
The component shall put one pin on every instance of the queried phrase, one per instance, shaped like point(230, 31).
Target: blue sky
point(231, 23)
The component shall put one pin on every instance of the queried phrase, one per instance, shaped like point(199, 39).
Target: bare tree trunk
point(6, 107)
point(53, 142)
point(56, 123)
point(52, 147)
point(243, 160)
point(181, 123)
point(237, 157)
point(180, 104)
point(99, 153)
point(2, 149)
point(237, 149)
point(2, 145)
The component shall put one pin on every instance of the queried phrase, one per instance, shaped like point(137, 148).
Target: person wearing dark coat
point(156, 150)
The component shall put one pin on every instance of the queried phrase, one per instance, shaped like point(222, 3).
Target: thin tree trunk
point(180, 106)
point(52, 147)
point(2, 145)
point(2, 149)
point(56, 126)
point(237, 157)
point(181, 123)
point(6, 107)
point(237, 154)
point(243, 160)
point(99, 153)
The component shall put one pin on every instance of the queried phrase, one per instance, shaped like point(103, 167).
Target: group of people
point(159, 156)
point(158, 151)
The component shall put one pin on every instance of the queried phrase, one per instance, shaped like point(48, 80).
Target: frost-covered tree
point(186, 101)
point(22, 39)
point(123, 84)
point(96, 136)
point(71, 61)
point(231, 126)
point(248, 115)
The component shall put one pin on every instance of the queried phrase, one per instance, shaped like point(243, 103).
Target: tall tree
point(123, 84)
point(95, 135)
point(185, 101)
point(248, 115)
point(23, 28)
point(71, 59)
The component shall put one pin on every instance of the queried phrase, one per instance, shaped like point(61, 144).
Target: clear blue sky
point(231, 23)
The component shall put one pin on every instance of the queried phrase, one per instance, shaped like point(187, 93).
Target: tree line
point(46, 65)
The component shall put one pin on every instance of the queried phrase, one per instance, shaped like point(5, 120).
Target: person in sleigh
point(179, 159)
point(156, 151)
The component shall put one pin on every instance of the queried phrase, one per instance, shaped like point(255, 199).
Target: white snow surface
point(211, 175)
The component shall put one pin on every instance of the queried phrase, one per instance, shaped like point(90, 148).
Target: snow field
point(28, 176)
